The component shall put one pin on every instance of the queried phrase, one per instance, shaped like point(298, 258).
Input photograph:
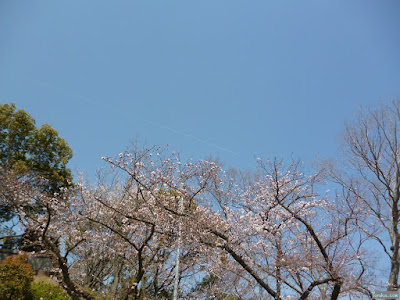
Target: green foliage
point(16, 276)
point(48, 291)
point(26, 149)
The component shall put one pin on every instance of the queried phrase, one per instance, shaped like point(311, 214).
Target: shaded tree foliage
point(28, 153)
point(24, 147)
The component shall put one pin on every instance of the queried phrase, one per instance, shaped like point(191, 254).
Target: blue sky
point(234, 79)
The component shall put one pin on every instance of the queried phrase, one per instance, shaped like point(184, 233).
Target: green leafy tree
point(28, 152)
point(24, 147)
point(16, 276)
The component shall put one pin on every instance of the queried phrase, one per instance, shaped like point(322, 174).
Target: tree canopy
point(29, 153)
point(26, 148)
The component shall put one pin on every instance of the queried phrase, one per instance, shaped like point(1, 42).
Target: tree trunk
point(336, 290)
point(394, 235)
point(394, 272)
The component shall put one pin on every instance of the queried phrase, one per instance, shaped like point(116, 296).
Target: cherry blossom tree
point(134, 236)
point(264, 235)
point(281, 235)
point(274, 233)
point(291, 242)
point(120, 237)
point(48, 219)
point(158, 180)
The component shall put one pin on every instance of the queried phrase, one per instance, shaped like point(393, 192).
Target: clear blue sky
point(235, 79)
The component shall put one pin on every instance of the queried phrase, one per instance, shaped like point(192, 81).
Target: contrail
point(171, 129)
point(174, 130)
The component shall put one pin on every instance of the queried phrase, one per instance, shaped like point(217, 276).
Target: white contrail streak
point(130, 115)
